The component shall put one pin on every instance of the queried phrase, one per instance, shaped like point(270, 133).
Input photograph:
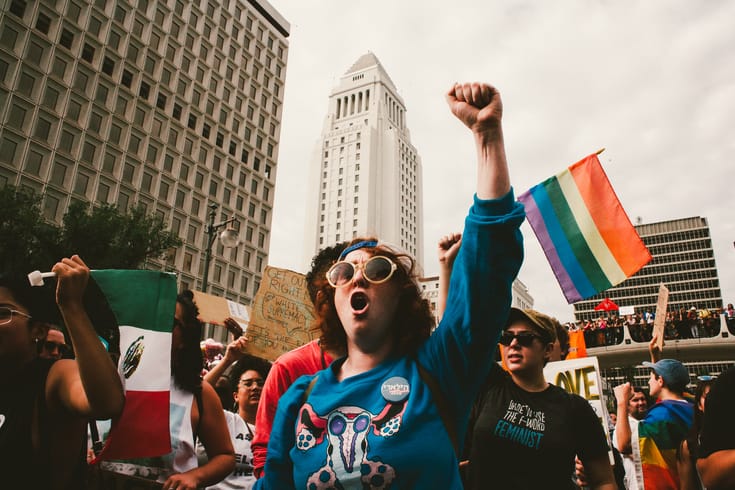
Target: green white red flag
point(143, 303)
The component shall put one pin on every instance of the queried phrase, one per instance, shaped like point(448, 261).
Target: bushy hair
point(248, 363)
point(187, 362)
point(320, 264)
point(413, 321)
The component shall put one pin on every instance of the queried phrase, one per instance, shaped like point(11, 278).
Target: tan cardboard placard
point(282, 315)
point(214, 309)
point(660, 319)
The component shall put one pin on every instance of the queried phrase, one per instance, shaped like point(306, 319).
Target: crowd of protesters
point(689, 323)
point(382, 399)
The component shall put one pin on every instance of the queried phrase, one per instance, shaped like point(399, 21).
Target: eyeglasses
point(248, 383)
point(49, 346)
point(525, 339)
point(706, 377)
point(6, 314)
point(376, 270)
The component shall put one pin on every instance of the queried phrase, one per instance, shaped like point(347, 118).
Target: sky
point(652, 82)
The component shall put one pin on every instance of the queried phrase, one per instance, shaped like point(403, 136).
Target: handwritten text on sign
point(282, 315)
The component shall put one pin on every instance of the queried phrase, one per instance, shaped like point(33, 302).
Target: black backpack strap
point(442, 406)
point(96, 442)
point(308, 389)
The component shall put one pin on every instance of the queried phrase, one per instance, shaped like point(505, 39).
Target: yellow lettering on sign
point(580, 381)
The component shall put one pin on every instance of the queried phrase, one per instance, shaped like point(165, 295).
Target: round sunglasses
point(376, 270)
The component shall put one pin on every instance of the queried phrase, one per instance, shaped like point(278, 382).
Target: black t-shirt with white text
point(528, 440)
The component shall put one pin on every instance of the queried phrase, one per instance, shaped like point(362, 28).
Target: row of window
point(670, 237)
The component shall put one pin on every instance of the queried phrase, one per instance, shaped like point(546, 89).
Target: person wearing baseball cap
point(521, 421)
point(666, 424)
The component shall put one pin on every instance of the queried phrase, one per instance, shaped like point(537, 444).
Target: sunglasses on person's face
point(525, 339)
point(376, 270)
point(50, 346)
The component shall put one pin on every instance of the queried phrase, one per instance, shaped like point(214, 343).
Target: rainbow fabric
point(583, 230)
point(659, 436)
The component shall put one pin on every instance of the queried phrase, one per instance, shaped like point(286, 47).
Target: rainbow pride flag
point(659, 435)
point(584, 231)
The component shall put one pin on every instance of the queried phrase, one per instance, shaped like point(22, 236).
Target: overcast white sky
point(651, 81)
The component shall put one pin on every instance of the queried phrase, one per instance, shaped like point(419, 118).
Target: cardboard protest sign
point(282, 315)
point(660, 319)
point(214, 309)
point(581, 377)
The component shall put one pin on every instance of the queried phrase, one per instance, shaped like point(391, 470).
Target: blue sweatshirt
point(382, 427)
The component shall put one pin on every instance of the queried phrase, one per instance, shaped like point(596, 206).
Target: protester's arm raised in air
point(447, 251)
point(88, 386)
point(479, 108)
point(235, 351)
point(623, 432)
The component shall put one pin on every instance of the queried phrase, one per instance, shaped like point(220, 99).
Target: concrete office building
point(171, 104)
point(366, 175)
point(683, 260)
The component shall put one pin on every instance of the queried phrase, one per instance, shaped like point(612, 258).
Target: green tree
point(103, 236)
point(108, 239)
point(27, 241)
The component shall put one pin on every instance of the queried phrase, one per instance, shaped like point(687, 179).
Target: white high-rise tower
point(366, 175)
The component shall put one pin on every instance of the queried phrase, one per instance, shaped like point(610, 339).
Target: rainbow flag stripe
point(588, 239)
point(659, 434)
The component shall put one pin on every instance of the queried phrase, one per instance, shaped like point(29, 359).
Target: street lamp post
point(228, 237)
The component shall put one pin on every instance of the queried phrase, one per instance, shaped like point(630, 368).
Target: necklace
point(250, 435)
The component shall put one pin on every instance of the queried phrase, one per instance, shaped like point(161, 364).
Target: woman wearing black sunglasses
point(526, 432)
point(389, 413)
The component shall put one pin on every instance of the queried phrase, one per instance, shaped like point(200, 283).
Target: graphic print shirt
point(528, 440)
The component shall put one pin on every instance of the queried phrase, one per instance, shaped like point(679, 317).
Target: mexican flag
point(143, 304)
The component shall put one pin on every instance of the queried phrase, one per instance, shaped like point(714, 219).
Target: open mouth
point(359, 302)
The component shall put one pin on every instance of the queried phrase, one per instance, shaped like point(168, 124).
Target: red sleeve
point(305, 360)
point(276, 384)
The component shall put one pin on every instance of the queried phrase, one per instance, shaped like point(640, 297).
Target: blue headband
point(358, 245)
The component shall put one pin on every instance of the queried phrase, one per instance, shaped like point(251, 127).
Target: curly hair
point(186, 363)
point(320, 264)
point(248, 363)
point(413, 321)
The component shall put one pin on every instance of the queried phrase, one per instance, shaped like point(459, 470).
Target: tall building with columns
point(366, 175)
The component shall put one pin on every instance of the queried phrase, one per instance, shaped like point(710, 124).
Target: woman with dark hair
point(247, 377)
point(686, 457)
point(192, 401)
point(393, 411)
point(45, 403)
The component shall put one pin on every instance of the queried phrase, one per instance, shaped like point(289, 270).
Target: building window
point(43, 23)
point(108, 66)
point(66, 39)
point(88, 53)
